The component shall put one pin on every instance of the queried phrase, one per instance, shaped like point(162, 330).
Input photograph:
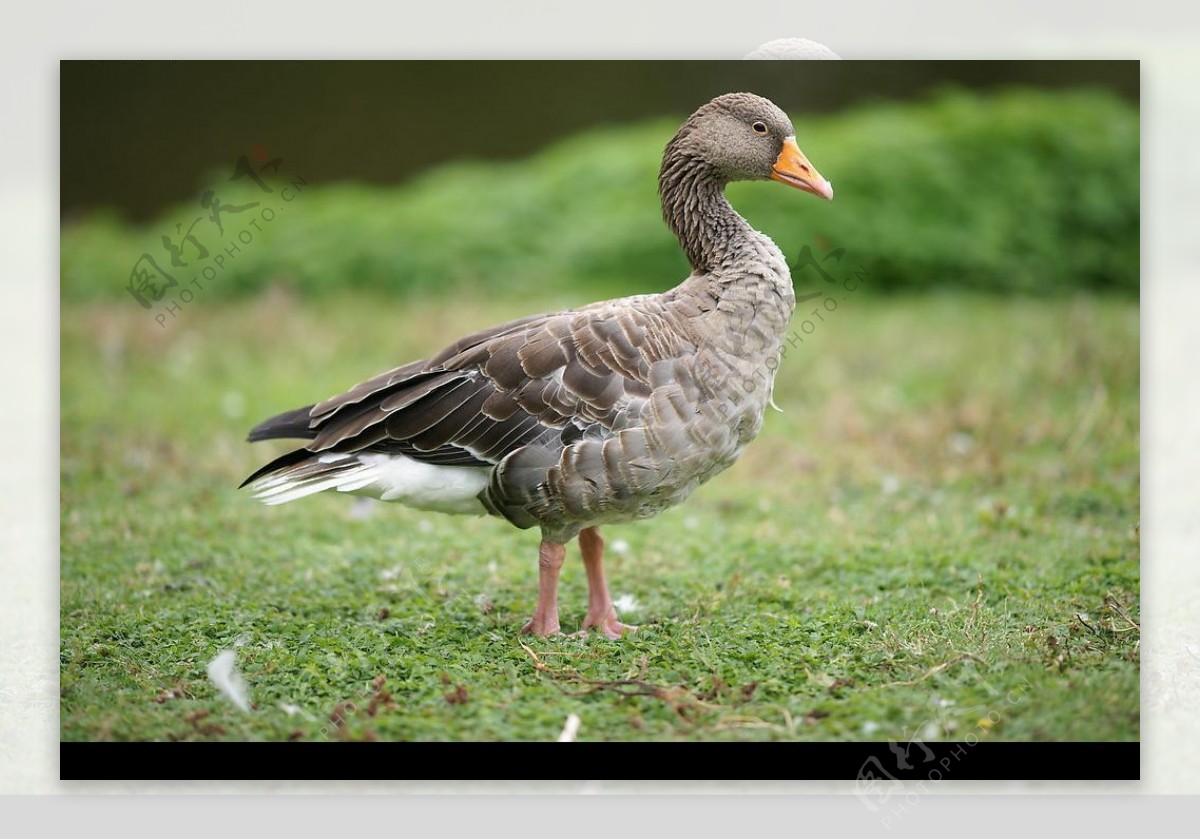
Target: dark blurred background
point(138, 135)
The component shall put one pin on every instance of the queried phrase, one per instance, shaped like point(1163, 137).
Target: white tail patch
point(390, 478)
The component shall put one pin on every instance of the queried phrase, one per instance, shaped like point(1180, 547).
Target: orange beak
point(792, 168)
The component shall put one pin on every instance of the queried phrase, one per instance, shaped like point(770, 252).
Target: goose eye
point(759, 128)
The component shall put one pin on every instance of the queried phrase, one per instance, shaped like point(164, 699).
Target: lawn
point(936, 537)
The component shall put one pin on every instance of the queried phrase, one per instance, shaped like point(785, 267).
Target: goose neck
point(695, 208)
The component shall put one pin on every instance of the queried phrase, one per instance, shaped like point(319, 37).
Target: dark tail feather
point(290, 424)
point(282, 462)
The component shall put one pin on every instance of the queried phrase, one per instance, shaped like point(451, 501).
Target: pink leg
point(600, 613)
point(545, 615)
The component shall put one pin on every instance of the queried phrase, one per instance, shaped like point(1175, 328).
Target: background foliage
point(1022, 191)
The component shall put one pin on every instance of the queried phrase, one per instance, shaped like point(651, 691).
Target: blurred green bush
point(1017, 191)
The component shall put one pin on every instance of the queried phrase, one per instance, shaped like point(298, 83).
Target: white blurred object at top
point(793, 48)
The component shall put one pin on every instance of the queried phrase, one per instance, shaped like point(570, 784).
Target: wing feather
point(541, 383)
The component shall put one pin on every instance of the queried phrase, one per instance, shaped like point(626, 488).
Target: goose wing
point(547, 380)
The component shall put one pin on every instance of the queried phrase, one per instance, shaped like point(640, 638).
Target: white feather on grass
point(224, 673)
point(626, 604)
point(570, 728)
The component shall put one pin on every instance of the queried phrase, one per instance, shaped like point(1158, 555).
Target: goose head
point(743, 137)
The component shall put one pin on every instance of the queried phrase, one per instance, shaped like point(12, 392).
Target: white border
point(1164, 35)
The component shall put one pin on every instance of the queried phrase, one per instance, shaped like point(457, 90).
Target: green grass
point(941, 525)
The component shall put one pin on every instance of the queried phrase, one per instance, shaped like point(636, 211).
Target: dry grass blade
point(935, 670)
point(680, 698)
point(1117, 607)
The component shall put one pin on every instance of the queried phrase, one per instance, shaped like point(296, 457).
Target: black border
point(873, 764)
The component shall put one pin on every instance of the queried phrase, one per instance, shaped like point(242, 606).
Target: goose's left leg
point(601, 613)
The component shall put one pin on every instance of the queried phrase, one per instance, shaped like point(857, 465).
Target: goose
point(607, 413)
